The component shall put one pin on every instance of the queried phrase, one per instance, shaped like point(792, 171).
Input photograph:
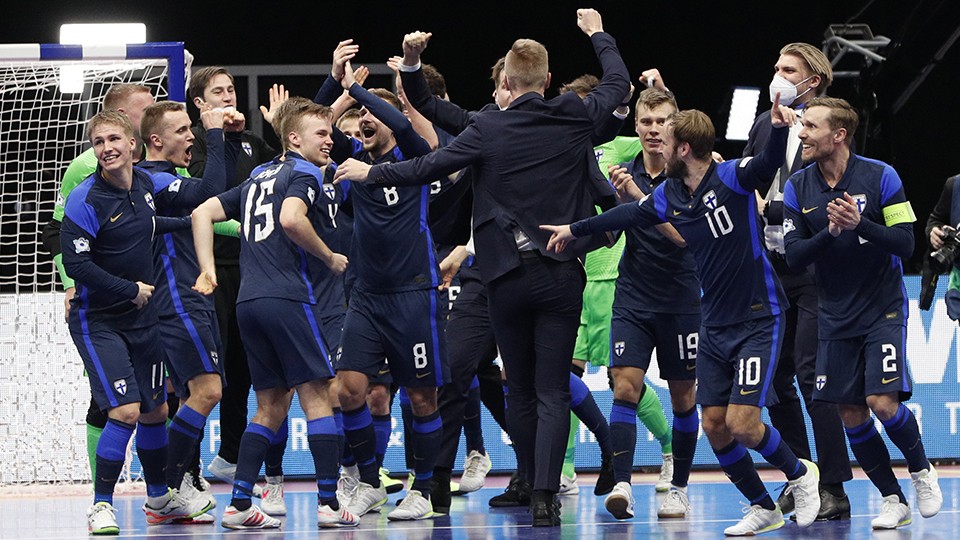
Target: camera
point(939, 262)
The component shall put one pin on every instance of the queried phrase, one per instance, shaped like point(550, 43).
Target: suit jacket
point(531, 165)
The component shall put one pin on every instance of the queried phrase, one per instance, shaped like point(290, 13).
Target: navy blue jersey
point(272, 266)
point(393, 250)
point(859, 279)
point(177, 267)
point(719, 221)
point(336, 229)
point(654, 273)
point(108, 235)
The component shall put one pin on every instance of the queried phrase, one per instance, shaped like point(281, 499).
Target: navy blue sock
point(773, 449)
point(182, 435)
point(346, 457)
point(472, 426)
point(152, 451)
point(738, 466)
point(623, 435)
point(322, 438)
point(905, 434)
point(406, 414)
point(685, 428)
point(428, 430)
point(273, 461)
point(586, 409)
point(874, 458)
point(253, 448)
point(111, 451)
point(362, 439)
point(382, 426)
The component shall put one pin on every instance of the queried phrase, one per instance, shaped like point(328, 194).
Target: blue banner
point(931, 355)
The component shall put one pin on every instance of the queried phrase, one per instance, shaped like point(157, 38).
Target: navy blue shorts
point(406, 328)
point(284, 345)
point(124, 366)
point(849, 370)
point(736, 363)
point(634, 334)
point(191, 345)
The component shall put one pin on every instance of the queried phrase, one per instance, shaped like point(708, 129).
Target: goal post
point(43, 392)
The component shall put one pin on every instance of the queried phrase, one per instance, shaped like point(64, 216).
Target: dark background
point(703, 50)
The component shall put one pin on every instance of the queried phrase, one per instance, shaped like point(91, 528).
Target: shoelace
point(924, 487)
point(474, 466)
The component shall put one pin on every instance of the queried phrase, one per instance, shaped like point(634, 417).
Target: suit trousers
point(535, 309)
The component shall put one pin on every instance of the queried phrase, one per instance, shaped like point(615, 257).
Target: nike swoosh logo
point(383, 372)
point(676, 212)
point(691, 368)
point(747, 392)
point(427, 374)
point(888, 381)
point(620, 453)
point(116, 217)
point(808, 210)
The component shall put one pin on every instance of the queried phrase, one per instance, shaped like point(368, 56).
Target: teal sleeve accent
point(227, 228)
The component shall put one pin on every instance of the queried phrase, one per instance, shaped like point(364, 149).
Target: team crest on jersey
point(174, 186)
point(710, 200)
point(619, 347)
point(215, 357)
point(599, 153)
point(120, 385)
point(788, 226)
point(81, 245)
point(860, 201)
point(330, 191)
point(311, 194)
point(247, 148)
point(60, 199)
point(821, 381)
point(149, 198)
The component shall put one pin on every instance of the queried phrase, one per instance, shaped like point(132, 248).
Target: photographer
point(943, 241)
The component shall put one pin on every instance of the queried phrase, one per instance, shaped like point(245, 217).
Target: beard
point(676, 168)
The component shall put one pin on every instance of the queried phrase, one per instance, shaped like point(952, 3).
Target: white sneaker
point(202, 519)
point(806, 494)
point(666, 474)
point(475, 471)
point(893, 514)
point(620, 501)
point(568, 485)
point(251, 518)
point(225, 471)
point(197, 488)
point(346, 487)
point(675, 504)
point(177, 506)
point(929, 497)
point(757, 520)
point(328, 518)
point(273, 503)
point(414, 506)
point(366, 498)
point(102, 519)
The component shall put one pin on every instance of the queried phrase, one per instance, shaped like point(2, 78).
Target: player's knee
point(714, 425)
point(351, 397)
point(423, 401)
point(884, 406)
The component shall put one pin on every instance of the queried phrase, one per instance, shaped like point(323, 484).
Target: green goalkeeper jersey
point(601, 264)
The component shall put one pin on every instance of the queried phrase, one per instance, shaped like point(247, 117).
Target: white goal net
point(43, 392)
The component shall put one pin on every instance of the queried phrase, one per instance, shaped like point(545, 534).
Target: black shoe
point(785, 500)
point(440, 493)
point(516, 494)
point(545, 508)
point(833, 507)
point(605, 481)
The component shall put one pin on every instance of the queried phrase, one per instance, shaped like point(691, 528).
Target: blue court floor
point(715, 506)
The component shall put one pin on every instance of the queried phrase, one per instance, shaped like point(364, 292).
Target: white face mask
point(787, 90)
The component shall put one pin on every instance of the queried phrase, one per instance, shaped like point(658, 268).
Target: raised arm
point(445, 115)
point(615, 82)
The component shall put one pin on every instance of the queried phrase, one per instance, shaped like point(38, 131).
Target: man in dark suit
point(532, 164)
point(801, 73)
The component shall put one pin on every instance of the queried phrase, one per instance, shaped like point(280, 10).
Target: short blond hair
point(113, 118)
point(815, 60)
point(842, 114)
point(152, 121)
point(526, 64)
point(652, 98)
point(694, 128)
point(290, 114)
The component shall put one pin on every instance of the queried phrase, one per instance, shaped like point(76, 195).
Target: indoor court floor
point(716, 505)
